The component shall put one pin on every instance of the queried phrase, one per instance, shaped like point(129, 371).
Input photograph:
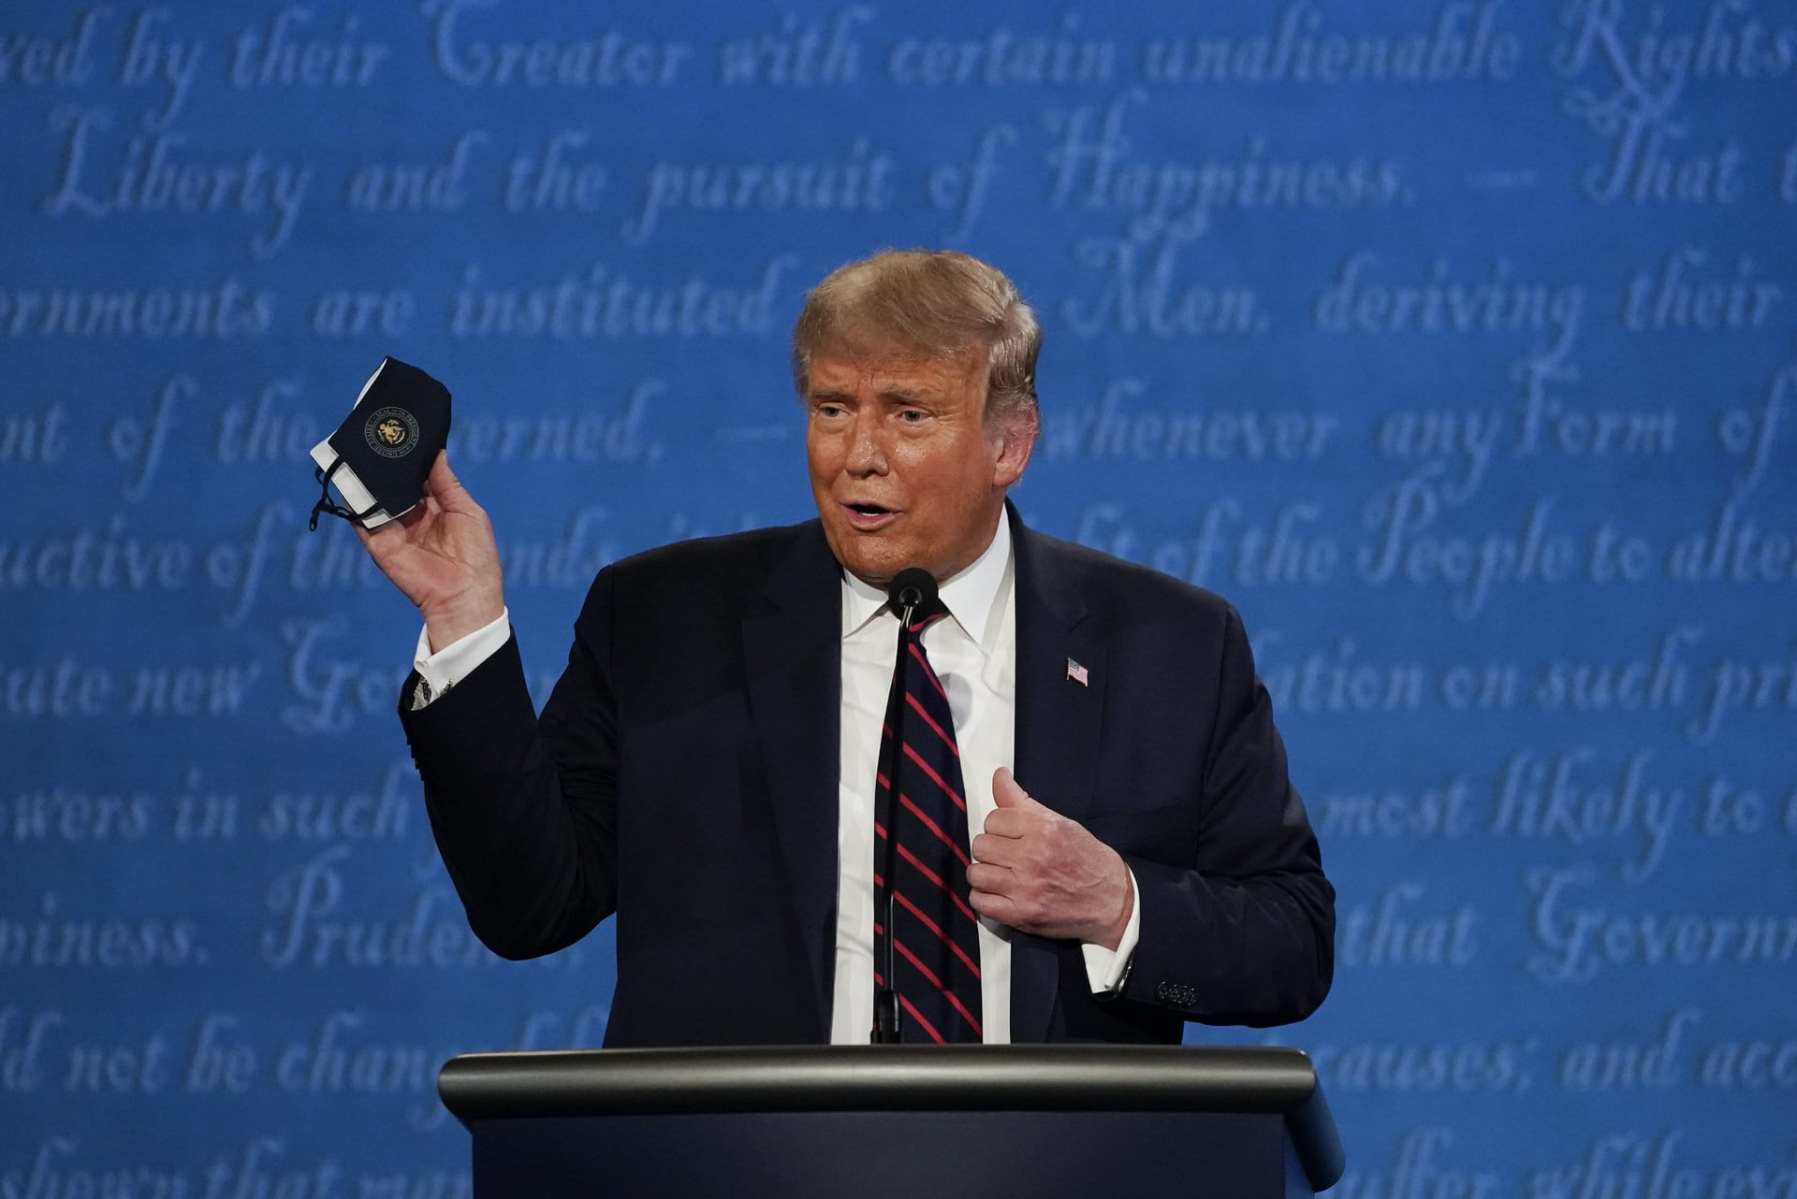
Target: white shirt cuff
point(456, 661)
point(1106, 968)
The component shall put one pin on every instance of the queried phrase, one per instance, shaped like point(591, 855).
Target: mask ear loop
point(325, 503)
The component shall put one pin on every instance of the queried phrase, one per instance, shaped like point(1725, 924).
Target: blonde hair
point(936, 302)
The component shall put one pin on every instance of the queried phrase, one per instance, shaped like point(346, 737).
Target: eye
point(913, 416)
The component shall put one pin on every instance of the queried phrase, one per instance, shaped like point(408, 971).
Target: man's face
point(904, 468)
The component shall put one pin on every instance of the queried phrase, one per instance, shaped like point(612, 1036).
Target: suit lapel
point(1058, 724)
point(792, 645)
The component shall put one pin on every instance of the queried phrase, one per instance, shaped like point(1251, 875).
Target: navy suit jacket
point(683, 775)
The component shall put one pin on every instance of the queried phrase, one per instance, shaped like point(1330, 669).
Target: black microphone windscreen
point(912, 587)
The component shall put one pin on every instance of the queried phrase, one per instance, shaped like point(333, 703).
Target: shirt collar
point(969, 596)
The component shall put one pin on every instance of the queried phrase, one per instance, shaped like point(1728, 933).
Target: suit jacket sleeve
point(1246, 933)
point(524, 810)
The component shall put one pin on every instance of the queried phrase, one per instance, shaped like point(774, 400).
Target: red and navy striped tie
point(936, 945)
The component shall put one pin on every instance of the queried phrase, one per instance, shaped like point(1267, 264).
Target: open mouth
point(869, 516)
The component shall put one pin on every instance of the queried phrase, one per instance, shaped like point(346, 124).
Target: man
point(1116, 845)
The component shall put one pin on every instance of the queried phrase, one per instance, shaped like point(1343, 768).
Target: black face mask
point(386, 446)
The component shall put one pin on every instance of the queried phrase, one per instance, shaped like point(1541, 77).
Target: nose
point(866, 457)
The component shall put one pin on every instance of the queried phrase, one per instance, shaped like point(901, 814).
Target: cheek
point(953, 477)
point(819, 459)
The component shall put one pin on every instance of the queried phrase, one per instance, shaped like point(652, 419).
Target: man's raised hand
point(1042, 873)
point(443, 557)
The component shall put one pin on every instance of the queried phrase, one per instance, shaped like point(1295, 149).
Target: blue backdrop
point(1452, 341)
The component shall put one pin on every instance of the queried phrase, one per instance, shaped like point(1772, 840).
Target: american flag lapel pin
point(1077, 673)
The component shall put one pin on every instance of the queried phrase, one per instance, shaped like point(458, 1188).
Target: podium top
point(496, 1086)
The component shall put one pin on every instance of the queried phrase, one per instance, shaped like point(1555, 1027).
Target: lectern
point(876, 1121)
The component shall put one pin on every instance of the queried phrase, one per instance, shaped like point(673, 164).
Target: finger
point(1005, 791)
point(443, 484)
point(983, 876)
point(1009, 822)
point(441, 478)
point(998, 851)
point(427, 509)
point(993, 906)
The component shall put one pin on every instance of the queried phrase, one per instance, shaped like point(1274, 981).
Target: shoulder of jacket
point(1113, 585)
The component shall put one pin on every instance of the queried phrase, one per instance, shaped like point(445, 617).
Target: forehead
point(882, 368)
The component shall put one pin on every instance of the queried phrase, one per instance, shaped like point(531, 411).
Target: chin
point(877, 572)
point(872, 562)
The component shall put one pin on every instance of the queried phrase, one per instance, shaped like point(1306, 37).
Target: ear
point(1013, 439)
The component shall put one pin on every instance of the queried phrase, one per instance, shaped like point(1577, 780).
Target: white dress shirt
point(974, 654)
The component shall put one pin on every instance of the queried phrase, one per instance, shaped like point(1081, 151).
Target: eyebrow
point(923, 395)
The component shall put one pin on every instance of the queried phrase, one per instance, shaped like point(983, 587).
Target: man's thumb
point(1005, 791)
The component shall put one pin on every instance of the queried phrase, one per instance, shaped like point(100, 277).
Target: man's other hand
point(1042, 873)
point(443, 556)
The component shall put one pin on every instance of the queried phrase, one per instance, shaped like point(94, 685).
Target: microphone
point(911, 589)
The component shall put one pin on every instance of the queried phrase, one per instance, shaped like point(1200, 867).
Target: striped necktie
point(936, 946)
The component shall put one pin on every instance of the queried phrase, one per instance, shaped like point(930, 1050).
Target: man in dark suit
point(713, 763)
